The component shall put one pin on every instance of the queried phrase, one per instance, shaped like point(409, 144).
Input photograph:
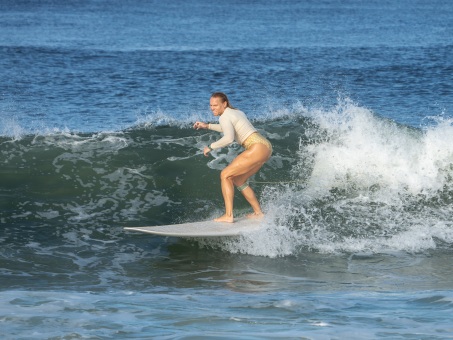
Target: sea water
point(97, 102)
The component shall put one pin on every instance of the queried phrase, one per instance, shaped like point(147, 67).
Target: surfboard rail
point(203, 228)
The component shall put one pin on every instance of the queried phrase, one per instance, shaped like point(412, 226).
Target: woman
point(235, 126)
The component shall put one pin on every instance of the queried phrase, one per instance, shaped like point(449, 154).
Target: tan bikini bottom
point(256, 138)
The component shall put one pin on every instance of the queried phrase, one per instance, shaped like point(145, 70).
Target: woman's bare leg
point(242, 167)
point(228, 196)
point(249, 195)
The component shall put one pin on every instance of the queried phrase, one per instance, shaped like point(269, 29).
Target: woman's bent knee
point(225, 174)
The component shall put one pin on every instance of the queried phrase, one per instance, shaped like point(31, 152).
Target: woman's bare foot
point(256, 215)
point(225, 218)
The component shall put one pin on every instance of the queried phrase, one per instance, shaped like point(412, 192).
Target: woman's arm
point(228, 133)
point(200, 125)
point(214, 127)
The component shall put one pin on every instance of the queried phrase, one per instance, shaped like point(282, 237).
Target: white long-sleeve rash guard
point(234, 125)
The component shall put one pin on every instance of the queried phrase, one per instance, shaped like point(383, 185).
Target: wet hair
point(223, 97)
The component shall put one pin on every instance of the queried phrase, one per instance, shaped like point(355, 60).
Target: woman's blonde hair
point(223, 97)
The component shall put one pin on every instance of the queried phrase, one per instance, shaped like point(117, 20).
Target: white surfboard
point(203, 229)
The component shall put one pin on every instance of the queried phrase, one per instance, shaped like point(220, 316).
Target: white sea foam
point(365, 150)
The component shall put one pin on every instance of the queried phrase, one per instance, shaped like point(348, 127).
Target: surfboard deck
point(203, 229)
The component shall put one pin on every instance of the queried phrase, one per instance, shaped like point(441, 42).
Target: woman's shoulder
point(233, 112)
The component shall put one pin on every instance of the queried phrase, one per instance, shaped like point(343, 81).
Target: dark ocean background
point(97, 102)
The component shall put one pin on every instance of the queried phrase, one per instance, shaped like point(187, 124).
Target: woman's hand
point(206, 150)
point(200, 125)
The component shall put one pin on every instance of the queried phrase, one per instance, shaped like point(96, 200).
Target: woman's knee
point(225, 174)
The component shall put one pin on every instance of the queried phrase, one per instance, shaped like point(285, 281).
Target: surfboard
point(203, 229)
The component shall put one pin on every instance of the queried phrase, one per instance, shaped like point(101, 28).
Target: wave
point(341, 180)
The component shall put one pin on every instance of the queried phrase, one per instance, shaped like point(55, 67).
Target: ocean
point(97, 103)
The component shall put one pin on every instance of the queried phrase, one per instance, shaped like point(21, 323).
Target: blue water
point(97, 99)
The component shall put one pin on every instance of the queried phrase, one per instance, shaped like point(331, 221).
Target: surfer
point(234, 125)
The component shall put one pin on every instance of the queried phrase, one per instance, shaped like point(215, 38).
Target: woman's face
point(217, 106)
